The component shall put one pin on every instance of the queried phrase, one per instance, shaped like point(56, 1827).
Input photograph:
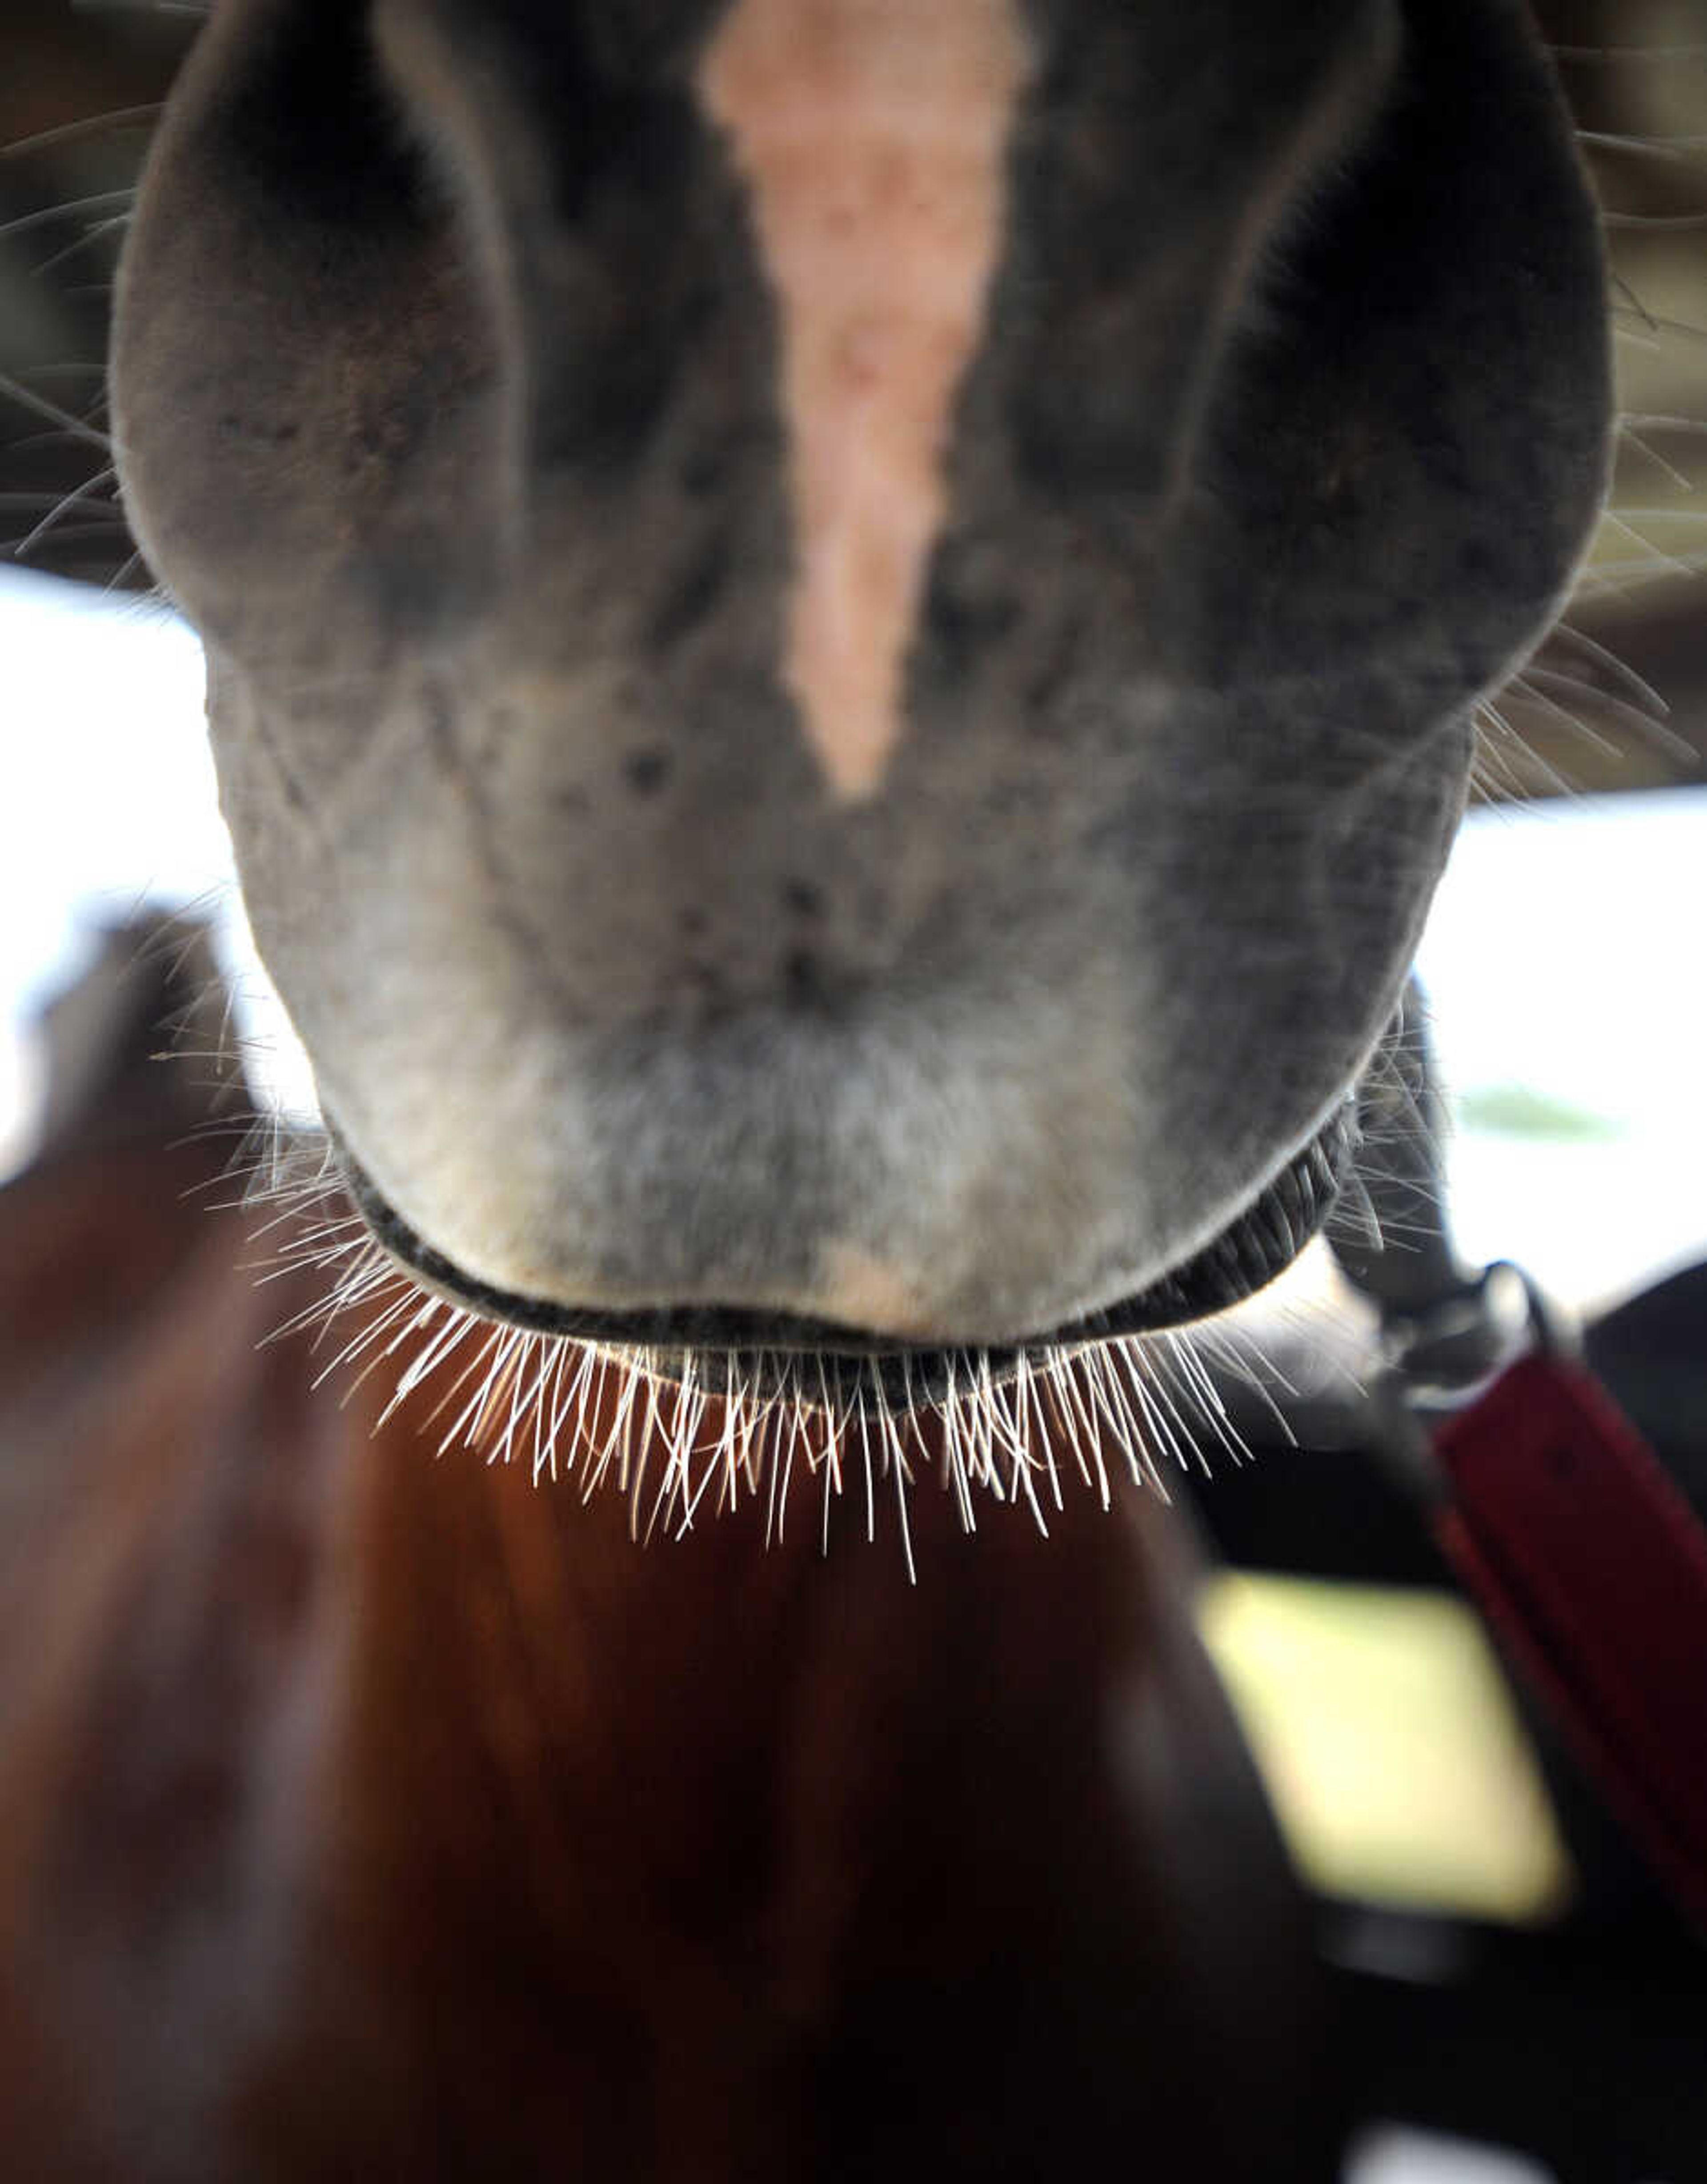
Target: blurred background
point(1459, 1864)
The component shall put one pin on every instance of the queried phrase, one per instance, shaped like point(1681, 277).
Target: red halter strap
point(1591, 1568)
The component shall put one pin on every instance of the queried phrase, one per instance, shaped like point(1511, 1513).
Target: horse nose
point(842, 632)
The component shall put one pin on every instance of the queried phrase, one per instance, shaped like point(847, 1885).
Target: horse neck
point(707, 1792)
point(732, 1720)
point(520, 1834)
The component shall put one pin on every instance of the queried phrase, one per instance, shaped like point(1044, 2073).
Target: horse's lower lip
point(774, 1353)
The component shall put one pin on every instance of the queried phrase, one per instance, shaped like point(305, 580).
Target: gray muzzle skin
point(769, 1356)
point(854, 756)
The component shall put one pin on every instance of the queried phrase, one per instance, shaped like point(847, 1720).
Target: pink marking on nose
point(864, 1291)
point(871, 134)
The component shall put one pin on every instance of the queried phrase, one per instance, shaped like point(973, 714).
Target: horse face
point(843, 634)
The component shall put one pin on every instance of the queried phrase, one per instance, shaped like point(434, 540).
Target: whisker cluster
point(683, 1434)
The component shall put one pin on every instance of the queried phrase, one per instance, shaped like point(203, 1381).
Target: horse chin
point(773, 1356)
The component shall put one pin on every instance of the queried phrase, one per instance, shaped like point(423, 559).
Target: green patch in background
point(1519, 1111)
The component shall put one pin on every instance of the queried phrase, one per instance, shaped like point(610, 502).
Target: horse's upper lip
point(770, 1350)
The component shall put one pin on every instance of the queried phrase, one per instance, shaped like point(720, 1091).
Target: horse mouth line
point(774, 1354)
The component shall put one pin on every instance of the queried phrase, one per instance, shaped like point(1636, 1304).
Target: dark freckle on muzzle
point(646, 771)
point(805, 986)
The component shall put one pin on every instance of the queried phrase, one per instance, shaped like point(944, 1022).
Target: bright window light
point(1393, 2156)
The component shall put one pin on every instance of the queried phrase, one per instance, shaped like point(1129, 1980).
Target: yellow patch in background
point(1397, 1766)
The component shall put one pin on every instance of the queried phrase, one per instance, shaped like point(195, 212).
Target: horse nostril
point(570, 165)
point(1149, 224)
